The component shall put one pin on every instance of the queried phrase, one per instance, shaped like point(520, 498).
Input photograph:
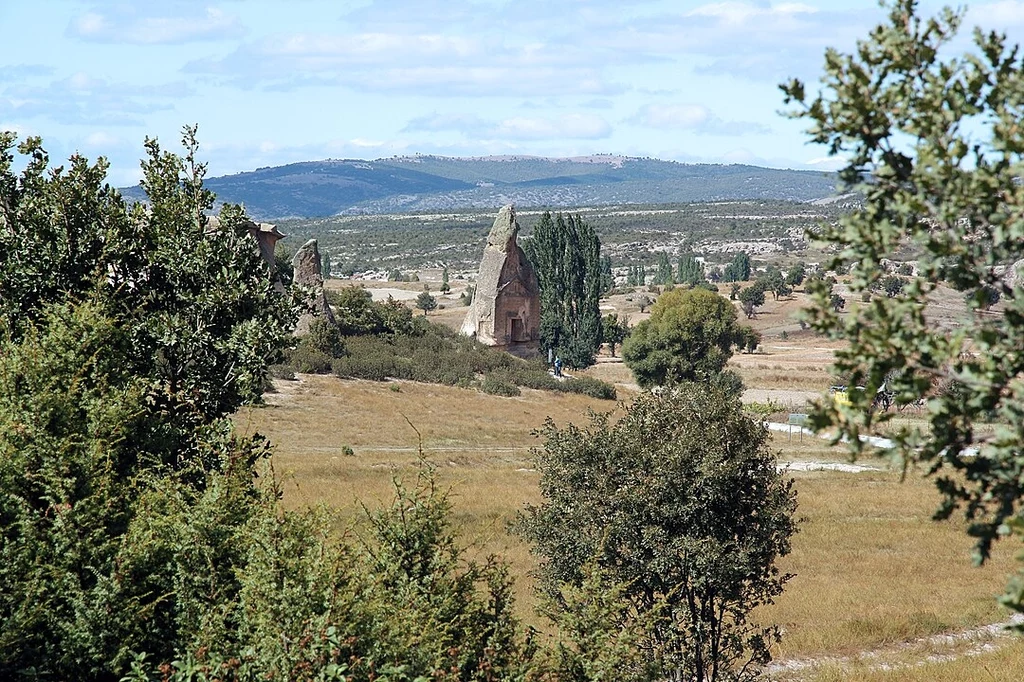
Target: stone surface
point(506, 306)
point(306, 264)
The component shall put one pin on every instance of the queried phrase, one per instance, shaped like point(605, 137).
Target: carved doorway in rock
point(518, 330)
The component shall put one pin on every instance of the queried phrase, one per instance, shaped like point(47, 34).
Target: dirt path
point(906, 655)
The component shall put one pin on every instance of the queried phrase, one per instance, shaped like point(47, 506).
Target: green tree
point(139, 536)
point(680, 506)
point(607, 278)
point(426, 302)
point(689, 337)
point(748, 338)
point(932, 142)
point(566, 255)
point(690, 271)
point(325, 265)
point(127, 334)
point(614, 329)
point(738, 270)
point(445, 286)
point(795, 275)
point(772, 280)
point(664, 274)
point(751, 298)
point(892, 285)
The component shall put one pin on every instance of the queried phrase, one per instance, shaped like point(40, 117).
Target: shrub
point(308, 360)
point(499, 384)
point(284, 372)
point(589, 386)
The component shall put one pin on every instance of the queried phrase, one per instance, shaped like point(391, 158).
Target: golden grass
point(1004, 664)
point(872, 568)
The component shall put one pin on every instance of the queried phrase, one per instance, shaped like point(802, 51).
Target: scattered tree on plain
point(689, 337)
point(614, 328)
point(426, 301)
point(772, 280)
point(796, 274)
point(933, 143)
point(678, 510)
point(751, 299)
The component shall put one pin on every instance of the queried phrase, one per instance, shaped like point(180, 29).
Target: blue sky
point(276, 82)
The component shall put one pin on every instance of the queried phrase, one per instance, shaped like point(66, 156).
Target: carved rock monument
point(506, 306)
point(307, 273)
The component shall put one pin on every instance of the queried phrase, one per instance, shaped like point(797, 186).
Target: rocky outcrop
point(506, 306)
point(306, 265)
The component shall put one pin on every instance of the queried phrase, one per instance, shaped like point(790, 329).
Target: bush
point(442, 356)
point(499, 384)
point(589, 386)
point(284, 372)
point(308, 360)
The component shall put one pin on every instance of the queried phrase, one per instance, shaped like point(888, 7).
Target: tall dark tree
point(664, 273)
point(690, 271)
point(607, 278)
point(738, 270)
point(566, 254)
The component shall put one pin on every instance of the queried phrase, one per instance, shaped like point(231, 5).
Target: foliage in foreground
point(139, 534)
point(109, 554)
point(677, 508)
point(935, 147)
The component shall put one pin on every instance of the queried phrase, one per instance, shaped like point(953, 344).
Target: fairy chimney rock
point(506, 306)
point(307, 273)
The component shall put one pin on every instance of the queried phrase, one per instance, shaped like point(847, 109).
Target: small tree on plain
point(680, 506)
point(795, 275)
point(613, 330)
point(426, 302)
point(689, 337)
point(751, 299)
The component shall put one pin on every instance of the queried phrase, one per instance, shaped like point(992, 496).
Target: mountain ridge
point(313, 189)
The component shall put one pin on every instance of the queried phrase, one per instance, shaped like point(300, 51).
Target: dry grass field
point(876, 580)
point(871, 567)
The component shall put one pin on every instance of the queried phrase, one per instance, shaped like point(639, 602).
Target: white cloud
point(565, 127)
point(740, 12)
point(997, 15)
point(82, 98)
point(570, 126)
point(126, 24)
point(695, 117)
point(101, 139)
point(671, 116)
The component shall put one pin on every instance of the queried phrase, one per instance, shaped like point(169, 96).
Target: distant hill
point(427, 183)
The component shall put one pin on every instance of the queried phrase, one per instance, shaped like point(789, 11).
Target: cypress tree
point(566, 254)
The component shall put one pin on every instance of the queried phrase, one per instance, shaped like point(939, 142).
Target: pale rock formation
point(307, 274)
point(506, 306)
point(266, 236)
